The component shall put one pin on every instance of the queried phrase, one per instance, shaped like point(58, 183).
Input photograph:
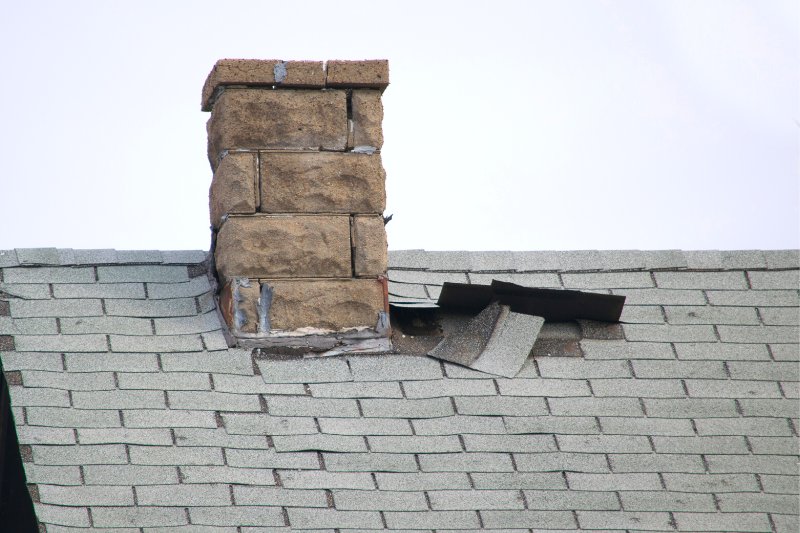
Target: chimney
point(297, 200)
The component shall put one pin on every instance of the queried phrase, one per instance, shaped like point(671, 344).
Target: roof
point(133, 414)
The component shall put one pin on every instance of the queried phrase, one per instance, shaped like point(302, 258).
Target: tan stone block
point(371, 73)
point(271, 119)
point(256, 72)
point(238, 303)
point(322, 182)
point(233, 188)
point(369, 245)
point(325, 304)
point(367, 118)
point(283, 246)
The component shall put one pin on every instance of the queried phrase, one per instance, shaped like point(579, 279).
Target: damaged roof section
point(500, 338)
point(133, 415)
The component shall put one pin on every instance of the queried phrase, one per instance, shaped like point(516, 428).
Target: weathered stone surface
point(367, 118)
point(255, 72)
point(233, 189)
point(373, 73)
point(271, 246)
point(322, 182)
point(264, 118)
point(238, 302)
point(325, 304)
point(369, 246)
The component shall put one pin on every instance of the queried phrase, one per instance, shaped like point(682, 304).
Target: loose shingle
point(638, 520)
point(104, 362)
point(97, 290)
point(48, 275)
point(300, 518)
point(305, 370)
point(561, 462)
point(184, 495)
point(151, 516)
point(159, 344)
point(100, 454)
point(45, 435)
point(500, 405)
point(188, 289)
point(415, 444)
point(85, 495)
point(327, 443)
point(151, 308)
point(520, 519)
point(552, 424)
point(271, 459)
point(130, 475)
point(369, 462)
point(218, 437)
point(706, 483)
point(169, 455)
point(236, 516)
point(518, 480)
point(164, 381)
point(227, 474)
point(666, 501)
point(552, 500)
point(61, 343)
point(458, 425)
point(432, 519)
point(74, 418)
point(373, 500)
point(317, 479)
point(394, 368)
point(126, 273)
point(213, 401)
point(148, 436)
point(364, 426)
point(722, 522)
point(307, 406)
point(356, 389)
point(422, 408)
point(656, 462)
point(448, 387)
point(263, 424)
point(230, 362)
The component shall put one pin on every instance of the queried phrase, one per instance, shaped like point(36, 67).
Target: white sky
point(509, 125)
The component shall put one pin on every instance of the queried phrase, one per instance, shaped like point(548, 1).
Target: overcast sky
point(508, 125)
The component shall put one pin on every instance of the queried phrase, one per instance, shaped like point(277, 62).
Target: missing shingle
point(5, 308)
point(33, 490)
point(556, 348)
point(14, 377)
point(6, 343)
point(195, 271)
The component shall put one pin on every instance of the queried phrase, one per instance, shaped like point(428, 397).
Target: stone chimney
point(297, 199)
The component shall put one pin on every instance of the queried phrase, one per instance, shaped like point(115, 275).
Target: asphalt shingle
point(134, 413)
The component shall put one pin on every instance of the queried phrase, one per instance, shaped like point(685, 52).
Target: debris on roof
point(497, 341)
point(500, 338)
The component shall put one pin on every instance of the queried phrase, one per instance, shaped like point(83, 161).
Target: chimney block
point(261, 72)
point(322, 182)
point(233, 187)
point(281, 246)
point(296, 200)
point(252, 119)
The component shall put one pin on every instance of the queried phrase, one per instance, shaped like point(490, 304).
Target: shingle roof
point(132, 412)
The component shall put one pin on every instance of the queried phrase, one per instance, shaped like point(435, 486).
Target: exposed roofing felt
point(133, 415)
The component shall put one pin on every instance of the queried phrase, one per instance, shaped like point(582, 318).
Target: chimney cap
point(368, 73)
